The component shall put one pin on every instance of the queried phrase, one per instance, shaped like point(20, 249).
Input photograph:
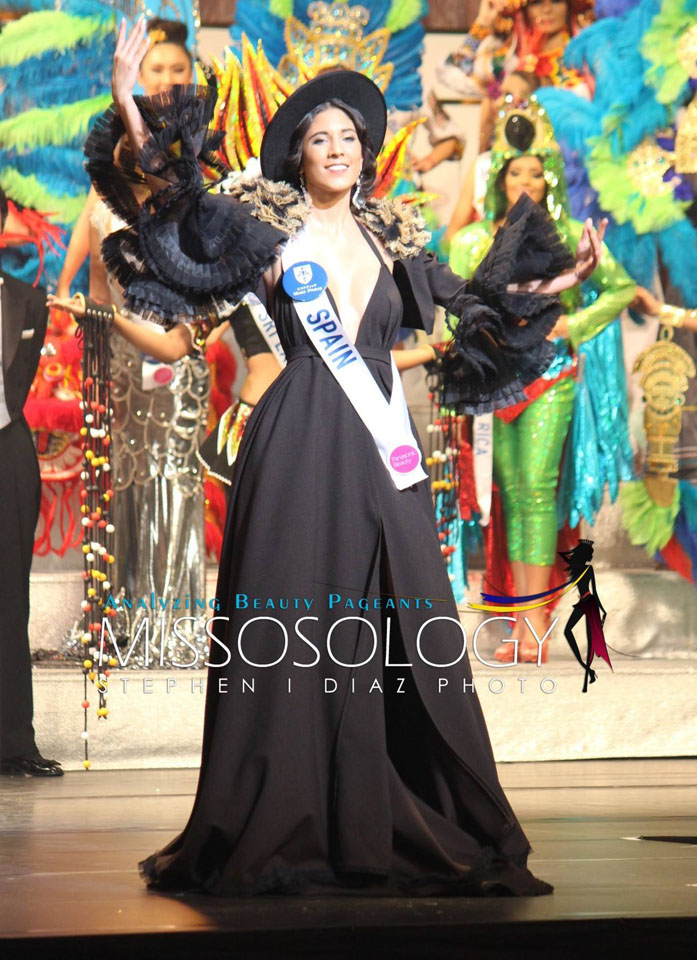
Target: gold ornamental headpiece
point(648, 165)
point(334, 38)
point(653, 167)
point(523, 128)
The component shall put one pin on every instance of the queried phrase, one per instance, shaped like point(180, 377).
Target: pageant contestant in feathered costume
point(541, 32)
point(579, 401)
point(638, 144)
point(160, 414)
point(55, 64)
point(526, 35)
point(299, 789)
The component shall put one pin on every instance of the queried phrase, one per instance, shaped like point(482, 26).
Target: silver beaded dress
point(158, 484)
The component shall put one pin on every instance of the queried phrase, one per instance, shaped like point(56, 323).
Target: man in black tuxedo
point(23, 316)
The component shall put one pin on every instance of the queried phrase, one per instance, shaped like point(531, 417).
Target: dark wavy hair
point(175, 31)
point(293, 164)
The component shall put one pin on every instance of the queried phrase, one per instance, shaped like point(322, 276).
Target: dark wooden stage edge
point(69, 885)
point(569, 940)
point(544, 941)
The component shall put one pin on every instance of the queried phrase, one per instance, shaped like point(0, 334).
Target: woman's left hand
point(588, 253)
point(130, 50)
point(74, 305)
point(589, 250)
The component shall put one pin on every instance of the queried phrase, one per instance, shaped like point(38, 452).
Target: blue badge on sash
point(305, 280)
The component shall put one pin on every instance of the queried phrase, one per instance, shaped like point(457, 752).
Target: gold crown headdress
point(334, 38)
point(523, 128)
point(250, 90)
point(249, 93)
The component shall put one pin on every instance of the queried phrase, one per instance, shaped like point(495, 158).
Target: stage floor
point(69, 849)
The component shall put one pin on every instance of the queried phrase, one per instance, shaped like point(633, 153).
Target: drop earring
point(302, 185)
point(357, 198)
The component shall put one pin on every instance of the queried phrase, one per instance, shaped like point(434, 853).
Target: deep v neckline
point(369, 240)
point(370, 300)
point(382, 263)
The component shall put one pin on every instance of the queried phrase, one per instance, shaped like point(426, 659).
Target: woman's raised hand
point(489, 11)
point(130, 50)
point(588, 254)
point(589, 249)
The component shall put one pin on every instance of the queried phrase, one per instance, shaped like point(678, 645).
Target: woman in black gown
point(317, 774)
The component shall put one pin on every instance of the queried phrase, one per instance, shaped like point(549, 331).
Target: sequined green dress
point(584, 403)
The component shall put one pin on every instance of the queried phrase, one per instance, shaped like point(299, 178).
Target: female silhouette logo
point(579, 574)
point(580, 571)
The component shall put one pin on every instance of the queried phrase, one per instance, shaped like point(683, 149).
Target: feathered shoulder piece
point(276, 203)
point(399, 225)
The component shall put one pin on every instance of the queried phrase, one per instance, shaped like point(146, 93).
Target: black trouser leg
point(20, 498)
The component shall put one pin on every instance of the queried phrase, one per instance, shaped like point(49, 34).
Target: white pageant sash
point(266, 326)
point(483, 454)
point(387, 422)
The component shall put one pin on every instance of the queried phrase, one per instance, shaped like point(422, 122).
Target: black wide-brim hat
point(354, 89)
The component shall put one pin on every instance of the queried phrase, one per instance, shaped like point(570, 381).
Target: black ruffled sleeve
point(185, 252)
point(499, 341)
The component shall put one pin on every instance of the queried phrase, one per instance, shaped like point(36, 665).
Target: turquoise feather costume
point(626, 140)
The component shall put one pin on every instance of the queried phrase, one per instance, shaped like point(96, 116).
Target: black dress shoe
point(45, 762)
point(36, 766)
